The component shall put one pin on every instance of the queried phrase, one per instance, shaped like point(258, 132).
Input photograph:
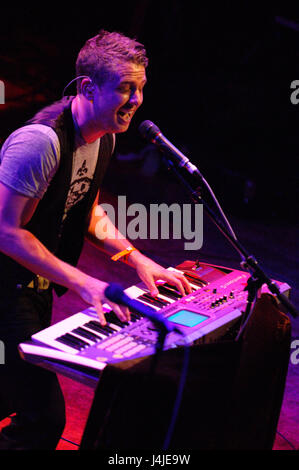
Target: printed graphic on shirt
point(79, 186)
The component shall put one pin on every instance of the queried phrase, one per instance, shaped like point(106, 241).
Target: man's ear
point(87, 88)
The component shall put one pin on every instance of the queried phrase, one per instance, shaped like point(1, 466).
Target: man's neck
point(83, 121)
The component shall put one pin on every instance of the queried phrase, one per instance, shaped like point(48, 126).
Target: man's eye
point(124, 89)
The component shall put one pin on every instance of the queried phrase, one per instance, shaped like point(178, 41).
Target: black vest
point(66, 239)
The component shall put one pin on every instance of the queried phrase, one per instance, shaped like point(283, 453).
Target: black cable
point(290, 444)
point(71, 442)
point(74, 79)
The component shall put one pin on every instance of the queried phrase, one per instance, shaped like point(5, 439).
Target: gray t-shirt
point(30, 157)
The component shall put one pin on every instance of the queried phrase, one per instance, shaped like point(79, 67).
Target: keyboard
point(216, 302)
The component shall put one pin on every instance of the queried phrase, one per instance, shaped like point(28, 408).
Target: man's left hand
point(149, 272)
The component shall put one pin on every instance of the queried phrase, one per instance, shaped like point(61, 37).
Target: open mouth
point(125, 115)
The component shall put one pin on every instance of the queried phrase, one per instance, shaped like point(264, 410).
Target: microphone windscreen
point(148, 130)
point(114, 292)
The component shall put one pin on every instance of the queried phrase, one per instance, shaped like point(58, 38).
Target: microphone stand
point(159, 347)
point(258, 276)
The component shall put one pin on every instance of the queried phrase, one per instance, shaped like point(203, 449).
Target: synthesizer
point(217, 301)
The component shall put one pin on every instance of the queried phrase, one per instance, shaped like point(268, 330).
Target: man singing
point(50, 173)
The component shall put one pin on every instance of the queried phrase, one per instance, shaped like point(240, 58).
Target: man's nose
point(136, 98)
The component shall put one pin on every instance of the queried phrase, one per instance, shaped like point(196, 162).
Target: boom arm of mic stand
point(248, 261)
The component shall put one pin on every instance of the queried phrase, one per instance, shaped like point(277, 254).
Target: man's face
point(118, 98)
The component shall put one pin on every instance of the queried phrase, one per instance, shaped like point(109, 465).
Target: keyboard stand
point(84, 375)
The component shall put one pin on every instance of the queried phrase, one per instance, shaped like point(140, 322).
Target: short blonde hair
point(102, 54)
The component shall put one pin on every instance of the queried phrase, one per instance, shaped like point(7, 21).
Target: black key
point(109, 329)
point(73, 341)
point(87, 327)
point(172, 288)
point(78, 340)
point(135, 316)
point(96, 325)
point(97, 329)
point(169, 286)
point(111, 317)
point(153, 300)
point(195, 280)
point(68, 343)
point(86, 334)
point(169, 293)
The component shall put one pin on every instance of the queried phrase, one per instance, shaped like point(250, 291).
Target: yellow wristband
point(123, 254)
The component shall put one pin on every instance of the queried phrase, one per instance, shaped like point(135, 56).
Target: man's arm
point(15, 211)
point(112, 241)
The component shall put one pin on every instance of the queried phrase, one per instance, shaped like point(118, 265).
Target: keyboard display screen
point(187, 318)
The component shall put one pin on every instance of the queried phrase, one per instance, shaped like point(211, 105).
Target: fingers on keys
point(180, 282)
point(122, 313)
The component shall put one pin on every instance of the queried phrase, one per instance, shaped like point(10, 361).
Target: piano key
point(174, 289)
point(113, 319)
point(164, 297)
point(172, 294)
point(153, 300)
point(81, 341)
point(86, 334)
point(115, 327)
point(73, 340)
point(96, 329)
point(195, 280)
point(93, 331)
point(96, 325)
point(135, 316)
point(109, 328)
point(69, 343)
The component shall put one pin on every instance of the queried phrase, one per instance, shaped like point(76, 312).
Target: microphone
point(152, 134)
point(116, 294)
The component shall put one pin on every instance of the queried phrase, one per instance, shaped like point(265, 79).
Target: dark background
point(218, 87)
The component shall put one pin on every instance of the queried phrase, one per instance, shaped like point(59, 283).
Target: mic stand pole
point(248, 261)
point(159, 346)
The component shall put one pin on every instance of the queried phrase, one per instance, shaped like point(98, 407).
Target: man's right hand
point(92, 291)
